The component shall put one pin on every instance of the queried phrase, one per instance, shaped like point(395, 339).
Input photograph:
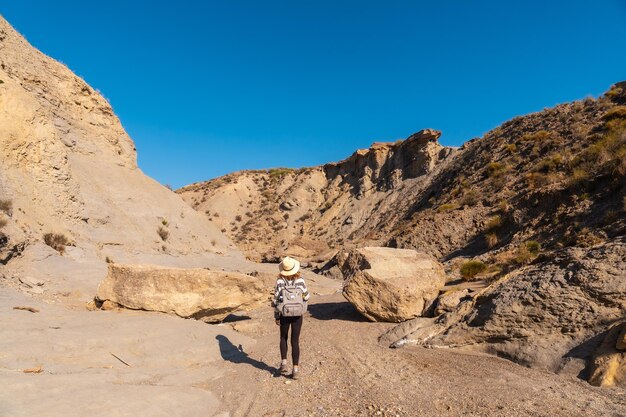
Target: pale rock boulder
point(608, 365)
point(449, 300)
point(195, 292)
point(391, 285)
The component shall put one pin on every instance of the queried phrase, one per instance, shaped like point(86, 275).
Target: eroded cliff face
point(69, 167)
point(310, 211)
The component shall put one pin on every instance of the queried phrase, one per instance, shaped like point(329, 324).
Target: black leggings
point(296, 326)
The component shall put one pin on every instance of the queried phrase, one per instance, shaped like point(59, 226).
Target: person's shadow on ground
point(235, 354)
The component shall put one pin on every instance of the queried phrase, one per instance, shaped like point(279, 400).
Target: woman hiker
point(290, 301)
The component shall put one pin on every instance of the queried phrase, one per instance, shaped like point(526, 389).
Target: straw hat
point(289, 267)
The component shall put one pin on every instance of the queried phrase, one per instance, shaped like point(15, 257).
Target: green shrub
point(470, 269)
point(533, 247)
point(278, 173)
point(56, 241)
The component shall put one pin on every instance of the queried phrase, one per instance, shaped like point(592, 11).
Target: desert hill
point(555, 177)
point(69, 171)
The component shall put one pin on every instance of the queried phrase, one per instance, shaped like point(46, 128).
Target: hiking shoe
point(295, 374)
point(282, 370)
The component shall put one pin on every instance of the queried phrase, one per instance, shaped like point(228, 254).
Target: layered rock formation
point(393, 285)
point(197, 293)
point(310, 211)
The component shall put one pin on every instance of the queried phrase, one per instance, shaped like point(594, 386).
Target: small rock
point(31, 282)
point(35, 370)
point(109, 305)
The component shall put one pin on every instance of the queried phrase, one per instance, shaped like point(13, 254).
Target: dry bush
point(108, 260)
point(511, 148)
point(213, 242)
point(447, 207)
point(3, 222)
point(56, 241)
point(163, 233)
point(6, 206)
point(470, 269)
point(527, 251)
point(470, 198)
point(503, 206)
point(549, 164)
point(496, 169)
point(539, 136)
point(587, 238)
point(238, 217)
point(491, 239)
point(538, 179)
point(493, 224)
point(617, 112)
point(304, 217)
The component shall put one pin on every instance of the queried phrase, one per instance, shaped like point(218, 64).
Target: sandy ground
point(180, 367)
point(347, 373)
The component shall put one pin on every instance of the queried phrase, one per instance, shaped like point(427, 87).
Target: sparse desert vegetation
point(163, 233)
point(56, 241)
point(6, 206)
point(470, 269)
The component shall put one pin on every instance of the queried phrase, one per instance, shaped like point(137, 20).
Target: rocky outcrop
point(384, 166)
point(608, 365)
point(621, 339)
point(196, 293)
point(544, 315)
point(449, 300)
point(307, 212)
point(391, 285)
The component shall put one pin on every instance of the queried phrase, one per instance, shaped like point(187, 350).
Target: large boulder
point(392, 285)
point(196, 293)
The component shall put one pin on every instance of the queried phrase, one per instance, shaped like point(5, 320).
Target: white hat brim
point(292, 271)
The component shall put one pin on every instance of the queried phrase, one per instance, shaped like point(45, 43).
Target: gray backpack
point(290, 301)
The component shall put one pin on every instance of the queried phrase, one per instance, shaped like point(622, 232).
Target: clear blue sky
point(209, 87)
